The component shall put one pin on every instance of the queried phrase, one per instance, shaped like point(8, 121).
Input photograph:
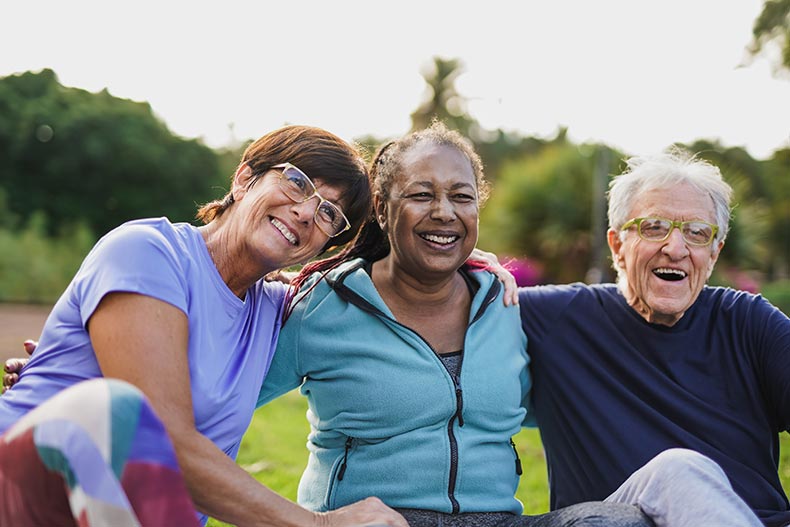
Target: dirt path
point(17, 323)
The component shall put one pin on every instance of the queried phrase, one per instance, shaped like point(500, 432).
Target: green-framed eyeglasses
point(694, 232)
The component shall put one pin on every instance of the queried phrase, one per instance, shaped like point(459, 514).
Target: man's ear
point(241, 181)
point(715, 252)
point(615, 245)
point(719, 247)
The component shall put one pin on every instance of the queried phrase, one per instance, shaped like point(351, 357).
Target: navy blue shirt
point(612, 390)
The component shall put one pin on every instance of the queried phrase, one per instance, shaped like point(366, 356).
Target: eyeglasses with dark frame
point(299, 188)
point(696, 232)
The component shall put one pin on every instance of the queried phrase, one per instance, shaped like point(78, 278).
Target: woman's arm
point(144, 341)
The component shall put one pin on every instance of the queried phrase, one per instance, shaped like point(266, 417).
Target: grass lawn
point(273, 450)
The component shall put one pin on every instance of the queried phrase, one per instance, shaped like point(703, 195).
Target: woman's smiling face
point(432, 212)
point(276, 231)
point(663, 279)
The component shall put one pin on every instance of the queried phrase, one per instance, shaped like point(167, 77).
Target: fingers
point(510, 297)
point(30, 346)
point(281, 276)
point(389, 516)
point(14, 365)
point(511, 289)
point(9, 379)
point(491, 257)
point(369, 512)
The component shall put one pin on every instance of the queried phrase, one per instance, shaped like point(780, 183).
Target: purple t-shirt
point(231, 341)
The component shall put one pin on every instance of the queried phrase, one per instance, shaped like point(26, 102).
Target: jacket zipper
point(344, 464)
point(459, 405)
point(518, 459)
point(339, 472)
point(353, 298)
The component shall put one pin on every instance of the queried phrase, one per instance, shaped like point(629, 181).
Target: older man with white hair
point(660, 361)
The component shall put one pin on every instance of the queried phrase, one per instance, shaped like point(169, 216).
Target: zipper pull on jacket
point(518, 459)
point(343, 466)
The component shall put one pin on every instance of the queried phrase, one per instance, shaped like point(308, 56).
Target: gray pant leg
point(683, 488)
point(588, 514)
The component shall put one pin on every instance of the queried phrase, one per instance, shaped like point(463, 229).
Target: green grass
point(274, 452)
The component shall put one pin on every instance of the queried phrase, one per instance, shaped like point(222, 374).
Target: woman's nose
point(305, 211)
point(442, 209)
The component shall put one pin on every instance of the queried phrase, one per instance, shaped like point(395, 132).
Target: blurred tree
point(772, 27)
point(500, 147)
point(368, 145)
point(552, 208)
point(541, 207)
point(759, 238)
point(777, 176)
point(75, 155)
point(748, 242)
point(442, 100)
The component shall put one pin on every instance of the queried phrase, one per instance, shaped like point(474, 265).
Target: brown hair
point(323, 157)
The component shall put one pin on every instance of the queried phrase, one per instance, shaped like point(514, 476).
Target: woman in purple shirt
point(191, 300)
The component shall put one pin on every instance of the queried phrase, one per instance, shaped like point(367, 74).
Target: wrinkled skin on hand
point(370, 512)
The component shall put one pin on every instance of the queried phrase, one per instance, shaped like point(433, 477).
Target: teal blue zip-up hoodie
point(386, 417)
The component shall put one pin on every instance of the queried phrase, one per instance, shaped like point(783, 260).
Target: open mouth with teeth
point(286, 232)
point(671, 275)
point(440, 239)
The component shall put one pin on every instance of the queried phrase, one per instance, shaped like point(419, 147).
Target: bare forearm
point(223, 490)
point(130, 331)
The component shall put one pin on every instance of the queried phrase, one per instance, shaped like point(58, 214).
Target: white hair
point(671, 168)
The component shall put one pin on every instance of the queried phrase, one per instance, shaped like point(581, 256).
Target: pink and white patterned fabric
point(95, 454)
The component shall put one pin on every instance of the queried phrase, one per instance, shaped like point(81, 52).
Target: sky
point(637, 75)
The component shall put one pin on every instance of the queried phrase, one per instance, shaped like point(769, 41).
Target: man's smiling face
point(663, 279)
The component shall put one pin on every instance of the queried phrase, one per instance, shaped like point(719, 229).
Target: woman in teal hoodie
point(407, 356)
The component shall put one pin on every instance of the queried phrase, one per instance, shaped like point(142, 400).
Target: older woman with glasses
point(192, 302)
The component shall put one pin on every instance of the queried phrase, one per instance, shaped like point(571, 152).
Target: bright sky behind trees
point(635, 74)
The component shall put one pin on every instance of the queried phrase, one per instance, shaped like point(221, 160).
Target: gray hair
point(673, 167)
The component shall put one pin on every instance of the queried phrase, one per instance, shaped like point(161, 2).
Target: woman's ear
point(380, 207)
point(241, 181)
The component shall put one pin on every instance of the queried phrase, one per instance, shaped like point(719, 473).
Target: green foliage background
point(75, 164)
point(91, 157)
